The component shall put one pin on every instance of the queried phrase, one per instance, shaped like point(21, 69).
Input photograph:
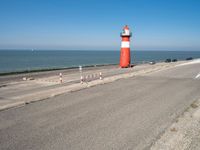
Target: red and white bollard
point(81, 79)
point(100, 76)
point(60, 75)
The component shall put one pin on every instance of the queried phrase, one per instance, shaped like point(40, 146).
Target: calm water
point(28, 60)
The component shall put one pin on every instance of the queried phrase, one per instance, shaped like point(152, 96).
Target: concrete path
point(129, 113)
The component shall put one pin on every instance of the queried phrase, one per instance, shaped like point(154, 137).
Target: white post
point(100, 76)
point(81, 74)
point(60, 75)
point(81, 79)
point(80, 69)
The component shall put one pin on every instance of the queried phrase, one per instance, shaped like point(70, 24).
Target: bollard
point(24, 78)
point(60, 75)
point(81, 74)
point(80, 68)
point(81, 79)
point(100, 76)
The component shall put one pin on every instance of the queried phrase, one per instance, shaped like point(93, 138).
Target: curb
point(12, 105)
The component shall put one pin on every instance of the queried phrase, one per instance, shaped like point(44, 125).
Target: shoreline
point(5, 78)
point(50, 69)
point(92, 66)
point(67, 68)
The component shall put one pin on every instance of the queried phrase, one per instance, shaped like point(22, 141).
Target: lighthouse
point(125, 54)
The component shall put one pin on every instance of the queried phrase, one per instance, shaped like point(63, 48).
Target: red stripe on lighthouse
point(125, 55)
point(125, 38)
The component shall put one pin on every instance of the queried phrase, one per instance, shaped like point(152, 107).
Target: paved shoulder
point(126, 114)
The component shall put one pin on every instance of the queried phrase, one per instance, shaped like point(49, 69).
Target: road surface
point(126, 114)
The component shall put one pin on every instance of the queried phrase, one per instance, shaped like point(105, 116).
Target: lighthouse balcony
point(126, 34)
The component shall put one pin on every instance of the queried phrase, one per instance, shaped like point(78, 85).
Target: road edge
point(183, 134)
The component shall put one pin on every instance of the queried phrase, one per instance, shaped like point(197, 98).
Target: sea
point(26, 60)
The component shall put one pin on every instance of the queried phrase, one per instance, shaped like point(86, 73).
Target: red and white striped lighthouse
point(125, 54)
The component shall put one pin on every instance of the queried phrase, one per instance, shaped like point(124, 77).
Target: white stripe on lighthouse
point(125, 44)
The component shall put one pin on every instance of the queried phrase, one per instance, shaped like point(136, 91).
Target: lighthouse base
point(125, 60)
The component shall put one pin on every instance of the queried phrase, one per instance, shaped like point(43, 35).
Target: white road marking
point(197, 76)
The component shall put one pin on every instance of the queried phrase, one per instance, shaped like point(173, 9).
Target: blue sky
point(96, 24)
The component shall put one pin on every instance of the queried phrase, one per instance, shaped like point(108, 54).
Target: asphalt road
point(126, 114)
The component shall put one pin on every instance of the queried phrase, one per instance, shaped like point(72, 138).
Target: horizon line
point(87, 50)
